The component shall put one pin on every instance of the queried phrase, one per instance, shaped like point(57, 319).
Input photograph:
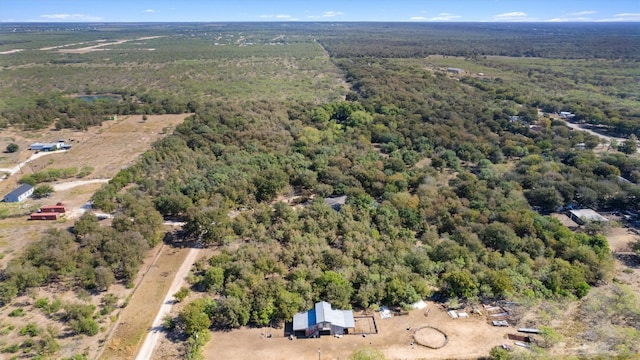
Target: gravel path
point(71, 184)
point(17, 168)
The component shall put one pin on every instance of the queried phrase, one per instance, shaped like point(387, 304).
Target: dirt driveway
point(468, 338)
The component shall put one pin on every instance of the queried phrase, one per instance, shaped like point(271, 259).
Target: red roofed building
point(53, 209)
point(44, 216)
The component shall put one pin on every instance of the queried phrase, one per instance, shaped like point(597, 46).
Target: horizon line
point(321, 21)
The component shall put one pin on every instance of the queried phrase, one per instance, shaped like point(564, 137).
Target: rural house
point(323, 320)
point(21, 193)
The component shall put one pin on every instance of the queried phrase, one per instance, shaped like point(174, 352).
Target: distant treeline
point(76, 113)
point(564, 41)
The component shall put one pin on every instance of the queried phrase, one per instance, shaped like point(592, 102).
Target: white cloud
point(628, 16)
point(149, 11)
point(417, 18)
point(624, 17)
point(277, 16)
point(511, 15)
point(70, 17)
point(582, 13)
point(332, 13)
point(445, 17)
point(569, 19)
point(326, 14)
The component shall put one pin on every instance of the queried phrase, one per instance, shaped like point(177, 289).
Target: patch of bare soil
point(97, 47)
point(468, 338)
point(619, 238)
point(115, 145)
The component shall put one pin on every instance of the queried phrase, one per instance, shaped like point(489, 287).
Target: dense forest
point(448, 180)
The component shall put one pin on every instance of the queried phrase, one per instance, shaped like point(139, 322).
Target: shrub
point(46, 307)
point(30, 329)
point(42, 191)
point(181, 294)
point(41, 303)
point(13, 348)
point(17, 312)
point(84, 326)
point(108, 304)
point(27, 345)
point(13, 147)
point(168, 323)
point(80, 318)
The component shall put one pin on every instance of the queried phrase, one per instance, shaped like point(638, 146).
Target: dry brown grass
point(136, 318)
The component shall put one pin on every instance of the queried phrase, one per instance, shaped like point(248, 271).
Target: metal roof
point(322, 312)
point(588, 214)
point(20, 190)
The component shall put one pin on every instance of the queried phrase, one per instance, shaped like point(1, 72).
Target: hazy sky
point(318, 10)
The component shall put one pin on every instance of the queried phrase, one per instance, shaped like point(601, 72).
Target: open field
point(108, 148)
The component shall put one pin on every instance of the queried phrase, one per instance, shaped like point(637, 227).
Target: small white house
point(566, 115)
point(21, 193)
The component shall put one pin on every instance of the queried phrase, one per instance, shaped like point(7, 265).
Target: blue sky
point(318, 10)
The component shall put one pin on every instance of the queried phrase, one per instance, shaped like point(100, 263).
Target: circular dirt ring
point(430, 337)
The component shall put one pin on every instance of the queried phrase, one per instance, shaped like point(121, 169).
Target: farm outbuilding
point(323, 320)
point(60, 145)
point(20, 193)
point(58, 208)
point(44, 216)
point(581, 216)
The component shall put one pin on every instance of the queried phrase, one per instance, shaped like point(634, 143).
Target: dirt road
point(601, 136)
point(72, 184)
point(155, 332)
point(17, 168)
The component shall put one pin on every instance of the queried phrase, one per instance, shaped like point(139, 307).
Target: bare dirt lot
point(468, 338)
